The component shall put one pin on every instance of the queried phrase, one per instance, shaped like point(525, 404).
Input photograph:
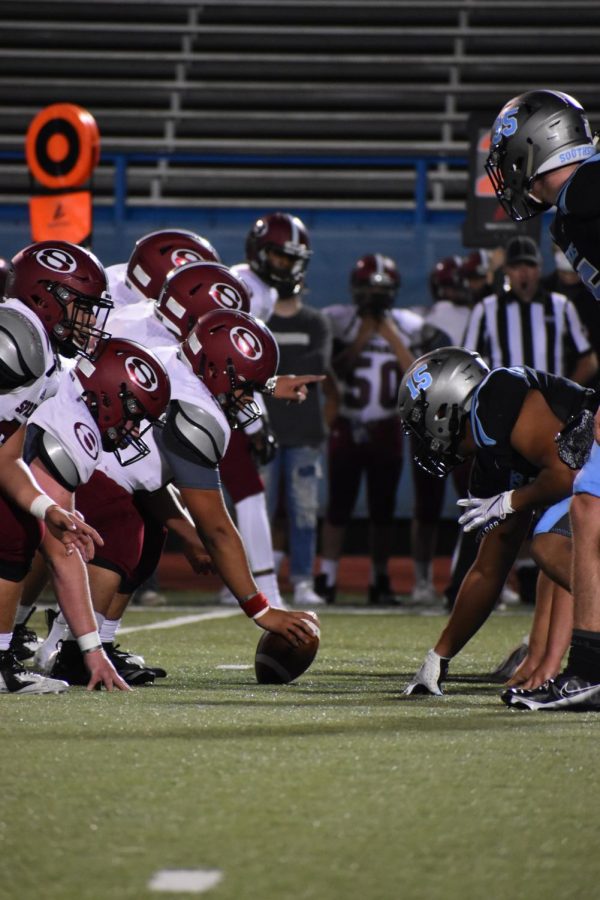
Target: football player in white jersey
point(277, 255)
point(112, 418)
point(151, 260)
point(372, 343)
point(214, 372)
point(55, 302)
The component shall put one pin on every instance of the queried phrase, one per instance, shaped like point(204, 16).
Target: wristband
point(254, 605)
point(41, 505)
point(89, 642)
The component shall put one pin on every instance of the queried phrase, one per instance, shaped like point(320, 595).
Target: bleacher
point(282, 102)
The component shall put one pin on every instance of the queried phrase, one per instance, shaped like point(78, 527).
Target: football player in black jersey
point(543, 154)
point(507, 419)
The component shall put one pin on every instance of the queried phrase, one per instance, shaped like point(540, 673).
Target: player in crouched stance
point(507, 419)
point(105, 403)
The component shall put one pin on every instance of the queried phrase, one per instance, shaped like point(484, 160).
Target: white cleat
point(14, 679)
point(430, 677)
point(304, 595)
point(424, 594)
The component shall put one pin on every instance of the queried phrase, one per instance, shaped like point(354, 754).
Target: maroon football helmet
point(194, 289)
point(374, 282)
point(474, 270)
point(232, 351)
point(155, 254)
point(446, 281)
point(125, 386)
point(66, 286)
point(287, 235)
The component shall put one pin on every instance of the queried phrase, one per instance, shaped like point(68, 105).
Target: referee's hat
point(522, 248)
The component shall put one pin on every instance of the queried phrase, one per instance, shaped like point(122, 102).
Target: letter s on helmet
point(434, 401)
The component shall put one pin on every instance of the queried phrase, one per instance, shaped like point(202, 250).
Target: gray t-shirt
point(304, 342)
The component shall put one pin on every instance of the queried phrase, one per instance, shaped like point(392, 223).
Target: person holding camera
point(371, 350)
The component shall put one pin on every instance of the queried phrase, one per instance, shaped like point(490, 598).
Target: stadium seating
point(264, 102)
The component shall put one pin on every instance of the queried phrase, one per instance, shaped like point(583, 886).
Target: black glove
point(263, 446)
point(575, 441)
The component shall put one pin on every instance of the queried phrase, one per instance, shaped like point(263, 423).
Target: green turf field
point(335, 788)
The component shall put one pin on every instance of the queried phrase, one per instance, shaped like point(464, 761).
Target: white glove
point(430, 677)
point(484, 509)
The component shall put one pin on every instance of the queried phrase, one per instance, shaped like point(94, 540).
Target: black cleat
point(69, 665)
point(381, 594)
point(132, 668)
point(324, 590)
point(24, 641)
point(565, 692)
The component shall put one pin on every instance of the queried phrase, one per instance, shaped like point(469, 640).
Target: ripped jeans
point(294, 477)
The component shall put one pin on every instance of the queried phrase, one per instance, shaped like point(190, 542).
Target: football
point(277, 662)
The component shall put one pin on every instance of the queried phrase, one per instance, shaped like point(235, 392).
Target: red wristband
point(254, 605)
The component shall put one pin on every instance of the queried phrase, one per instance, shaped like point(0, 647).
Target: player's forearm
point(550, 486)
point(227, 552)
point(68, 575)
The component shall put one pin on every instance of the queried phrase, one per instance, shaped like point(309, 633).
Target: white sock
point(255, 529)
point(278, 558)
point(59, 631)
point(329, 568)
point(423, 571)
point(108, 630)
point(22, 613)
point(5, 641)
point(268, 585)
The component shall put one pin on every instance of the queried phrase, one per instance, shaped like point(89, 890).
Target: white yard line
point(182, 620)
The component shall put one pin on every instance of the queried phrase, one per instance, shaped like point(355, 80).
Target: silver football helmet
point(435, 400)
point(534, 133)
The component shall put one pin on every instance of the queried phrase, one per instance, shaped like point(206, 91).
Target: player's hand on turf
point(295, 627)
point(72, 531)
point(102, 672)
point(481, 510)
point(199, 559)
point(543, 673)
point(294, 387)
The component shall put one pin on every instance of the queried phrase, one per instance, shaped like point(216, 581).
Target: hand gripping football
point(277, 662)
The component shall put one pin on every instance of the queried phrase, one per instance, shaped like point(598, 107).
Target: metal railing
point(422, 166)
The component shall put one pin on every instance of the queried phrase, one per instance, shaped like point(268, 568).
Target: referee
point(527, 325)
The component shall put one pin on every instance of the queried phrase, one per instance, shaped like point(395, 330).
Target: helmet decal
point(56, 259)
point(140, 371)
point(226, 295)
point(246, 343)
point(184, 255)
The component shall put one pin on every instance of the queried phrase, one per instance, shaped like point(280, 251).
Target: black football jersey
point(576, 225)
point(495, 409)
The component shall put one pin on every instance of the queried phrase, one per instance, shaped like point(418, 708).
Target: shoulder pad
point(198, 429)
point(58, 462)
point(22, 352)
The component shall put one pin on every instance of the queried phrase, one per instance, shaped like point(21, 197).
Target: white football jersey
point(137, 322)
point(370, 391)
point(262, 297)
point(66, 417)
point(121, 294)
point(449, 318)
point(18, 404)
point(147, 474)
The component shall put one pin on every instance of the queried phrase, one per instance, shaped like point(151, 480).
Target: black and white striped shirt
point(546, 333)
